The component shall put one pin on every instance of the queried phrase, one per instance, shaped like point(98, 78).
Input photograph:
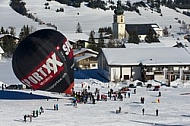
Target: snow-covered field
point(173, 108)
point(89, 19)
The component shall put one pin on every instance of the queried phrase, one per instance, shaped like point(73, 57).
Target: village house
point(85, 58)
point(78, 40)
point(119, 64)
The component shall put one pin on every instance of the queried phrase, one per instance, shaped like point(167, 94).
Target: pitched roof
point(87, 53)
point(141, 29)
point(86, 56)
point(73, 37)
point(147, 56)
point(84, 50)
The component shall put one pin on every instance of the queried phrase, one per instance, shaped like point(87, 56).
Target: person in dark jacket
point(24, 118)
point(156, 112)
point(143, 111)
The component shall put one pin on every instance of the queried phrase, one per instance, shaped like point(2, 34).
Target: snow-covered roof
point(88, 55)
point(78, 51)
point(172, 41)
point(3, 35)
point(144, 45)
point(76, 36)
point(147, 56)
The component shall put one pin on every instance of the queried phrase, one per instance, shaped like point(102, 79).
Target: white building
point(144, 63)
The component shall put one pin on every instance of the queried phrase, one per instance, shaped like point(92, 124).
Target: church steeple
point(119, 10)
point(119, 22)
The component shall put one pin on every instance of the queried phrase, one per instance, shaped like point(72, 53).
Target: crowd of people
point(88, 96)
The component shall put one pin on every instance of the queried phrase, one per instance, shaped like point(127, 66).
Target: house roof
point(147, 56)
point(73, 37)
point(141, 29)
point(9, 35)
point(86, 56)
point(87, 53)
point(84, 50)
point(144, 45)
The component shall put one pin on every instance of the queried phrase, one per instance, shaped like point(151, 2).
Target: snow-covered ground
point(173, 108)
point(89, 19)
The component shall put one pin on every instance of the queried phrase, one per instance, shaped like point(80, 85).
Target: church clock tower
point(119, 22)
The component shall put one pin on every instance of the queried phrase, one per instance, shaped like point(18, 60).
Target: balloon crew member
point(24, 118)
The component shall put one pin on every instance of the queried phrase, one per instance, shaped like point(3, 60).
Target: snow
point(148, 56)
point(89, 19)
point(173, 107)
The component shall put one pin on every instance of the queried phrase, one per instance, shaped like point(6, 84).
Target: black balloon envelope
point(44, 61)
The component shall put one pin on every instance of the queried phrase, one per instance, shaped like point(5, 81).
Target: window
point(126, 77)
point(121, 19)
point(93, 65)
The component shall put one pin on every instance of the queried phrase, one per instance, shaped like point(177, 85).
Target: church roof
point(141, 29)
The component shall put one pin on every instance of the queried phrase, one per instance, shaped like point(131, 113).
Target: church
point(142, 62)
point(122, 30)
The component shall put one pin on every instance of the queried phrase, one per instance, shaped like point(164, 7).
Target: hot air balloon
point(44, 61)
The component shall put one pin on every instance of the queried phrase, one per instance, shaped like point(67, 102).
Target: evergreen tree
point(8, 46)
point(110, 44)
point(128, 3)
point(18, 6)
point(25, 31)
point(79, 28)
point(134, 38)
point(165, 31)
point(12, 31)
point(92, 45)
point(2, 30)
point(163, 2)
point(151, 37)
point(100, 42)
